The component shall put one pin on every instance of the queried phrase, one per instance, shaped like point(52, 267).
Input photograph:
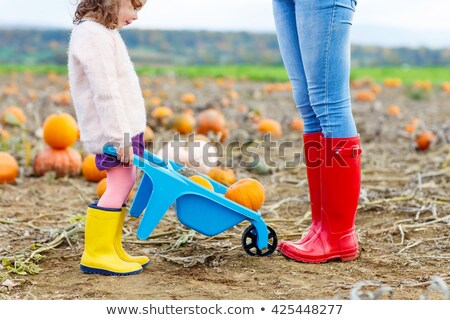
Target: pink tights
point(120, 181)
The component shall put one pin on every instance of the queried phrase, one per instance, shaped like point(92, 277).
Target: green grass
point(258, 73)
point(436, 75)
point(36, 69)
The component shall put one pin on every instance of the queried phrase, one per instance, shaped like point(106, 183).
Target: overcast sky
point(381, 22)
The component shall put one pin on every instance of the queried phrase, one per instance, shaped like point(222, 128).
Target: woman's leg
point(288, 41)
point(324, 32)
point(324, 28)
point(120, 181)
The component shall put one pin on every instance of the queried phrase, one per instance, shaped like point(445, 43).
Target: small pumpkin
point(224, 176)
point(376, 88)
point(365, 96)
point(60, 130)
point(410, 128)
point(14, 115)
point(147, 93)
point(4, 135)
point(90, 171)
point(188, 98)
point(62, 98)
point(446, 87)
point(248, 192)
point(393, 110)
point(392, 82)
point(424, 140)
point(202, 181)
point(211, 120)
point(101, 187)
point(9, 169)
point(155, 101)
point(64, 162)
point(425, 85)
point(297, 125)
point(182, 122)
point(233, 95)
point(162, 115)
point(271, 126)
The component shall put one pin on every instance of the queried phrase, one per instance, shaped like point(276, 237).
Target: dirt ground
point(403, 222)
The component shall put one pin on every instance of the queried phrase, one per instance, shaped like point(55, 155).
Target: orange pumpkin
point(64, 162)
point(375, 88)
point(11, 90)
point(222, 175)
point(271, 126)
point(4, 135)
point(365, 96)
point(14, 115)
point(155, 101)
point(202, 181)
point(233, 95)
point(248, 192)
point(297, 125)
point(446, 87)
point(90, 171)
point(9, 169)
point(392, 82)
point(188, 98)
point(424, 140)
point(410, 128)
point(184, 123)
point(62, 98)
point(211, 120)
point(101, 187)
point(356, 83)
point(60, 130)
point(394, 110)
point(198, 84)
point(162, 115)
point(425, 85)
point(147, 93)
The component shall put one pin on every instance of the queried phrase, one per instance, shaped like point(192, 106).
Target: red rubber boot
point(340, 187)
point(311, 150)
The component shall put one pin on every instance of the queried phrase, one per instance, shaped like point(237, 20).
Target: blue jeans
point(314, 41)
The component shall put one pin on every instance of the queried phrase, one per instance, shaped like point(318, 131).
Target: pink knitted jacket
point(104, 86)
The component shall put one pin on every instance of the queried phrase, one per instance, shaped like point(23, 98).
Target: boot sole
point(342, 257)
point(104, 272)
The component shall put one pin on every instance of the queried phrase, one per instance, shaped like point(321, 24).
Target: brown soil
point(402, 222)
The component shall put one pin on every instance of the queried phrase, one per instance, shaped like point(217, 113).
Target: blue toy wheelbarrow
point(205, 211)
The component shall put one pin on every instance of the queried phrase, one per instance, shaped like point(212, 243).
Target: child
point(110, 109)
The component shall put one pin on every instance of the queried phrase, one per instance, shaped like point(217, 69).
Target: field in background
point(408, 75)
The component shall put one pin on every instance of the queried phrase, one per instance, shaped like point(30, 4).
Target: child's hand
point(125, 155)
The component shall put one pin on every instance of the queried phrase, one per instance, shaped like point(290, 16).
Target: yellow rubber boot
point(99, 256)
point(142, 260)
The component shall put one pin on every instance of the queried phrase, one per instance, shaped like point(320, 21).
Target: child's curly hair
point(102, 11)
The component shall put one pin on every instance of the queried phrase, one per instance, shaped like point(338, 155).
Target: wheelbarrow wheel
point(249, 242)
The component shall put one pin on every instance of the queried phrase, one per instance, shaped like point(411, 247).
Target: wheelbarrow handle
point(138, 161)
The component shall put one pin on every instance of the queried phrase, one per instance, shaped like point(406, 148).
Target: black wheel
point(249, 242)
